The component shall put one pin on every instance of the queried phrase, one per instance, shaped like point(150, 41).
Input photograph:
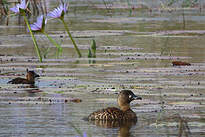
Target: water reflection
point(32, 88)
point(181, 124)
point(124, 126)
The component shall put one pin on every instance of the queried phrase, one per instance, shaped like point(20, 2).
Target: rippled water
point(133, 52)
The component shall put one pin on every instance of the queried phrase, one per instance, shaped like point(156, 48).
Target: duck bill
point(36, 75)
point(134, 97)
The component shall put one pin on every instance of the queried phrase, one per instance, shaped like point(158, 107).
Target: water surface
point(134, 51)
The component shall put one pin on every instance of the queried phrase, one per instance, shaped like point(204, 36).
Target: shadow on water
point(32, 89)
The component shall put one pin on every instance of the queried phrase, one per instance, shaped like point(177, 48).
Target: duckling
point(112, 113)
point(30, 78)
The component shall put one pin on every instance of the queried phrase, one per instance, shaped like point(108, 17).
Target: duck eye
point(130, 96)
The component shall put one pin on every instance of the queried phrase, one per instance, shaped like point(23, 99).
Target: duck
point(123, 113)
point(30, 78)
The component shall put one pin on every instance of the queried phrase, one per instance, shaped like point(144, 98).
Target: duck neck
point(125, 107)
point(30, 78)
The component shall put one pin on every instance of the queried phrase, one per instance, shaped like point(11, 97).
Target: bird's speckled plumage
point(112, 113)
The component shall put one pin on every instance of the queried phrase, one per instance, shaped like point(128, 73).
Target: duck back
point(110, 113)
point(20, 81)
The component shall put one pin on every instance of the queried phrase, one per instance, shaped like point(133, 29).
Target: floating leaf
point(60, 92)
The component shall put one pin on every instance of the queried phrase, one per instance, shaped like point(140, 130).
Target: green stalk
point(75, 46)
point(89, 53)
point(54, 42)
point(33, 38)
point(93, 47)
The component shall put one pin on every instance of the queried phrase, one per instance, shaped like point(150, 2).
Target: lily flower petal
point(84, 134)
point(15, 9)
point(22, 5)
point(38, 25)
point(65, 7)
point(59, 11)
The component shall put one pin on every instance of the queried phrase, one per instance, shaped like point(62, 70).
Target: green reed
point(92, 51)
point(32, 36)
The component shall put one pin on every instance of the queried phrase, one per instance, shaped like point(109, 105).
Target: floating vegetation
point(38, 100)
point(174, 121)
point(182, 32)
point(180, 63)
point(76, 100)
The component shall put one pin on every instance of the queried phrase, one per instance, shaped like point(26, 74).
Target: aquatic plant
point(92, 51)
point(89, 53)
point(4, 7)
point(130, 7)
point(58, 13)
point(84, 135)
point(162, 111)
point(93, 48)
point(39, 26)
point(81, 134)
point(21, 9)
point(184, 3)
point(108, 6)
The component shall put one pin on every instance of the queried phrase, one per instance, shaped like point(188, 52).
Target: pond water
point(135, 50)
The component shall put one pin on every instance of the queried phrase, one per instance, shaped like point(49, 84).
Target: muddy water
point(133, 52)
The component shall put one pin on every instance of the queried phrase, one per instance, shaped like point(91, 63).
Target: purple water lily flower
point(39, 24)
point(17, 8)
point(59, 11)
point(84, 134)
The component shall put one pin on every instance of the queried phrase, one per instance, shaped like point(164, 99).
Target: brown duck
point(30, 78)
point(112, 113)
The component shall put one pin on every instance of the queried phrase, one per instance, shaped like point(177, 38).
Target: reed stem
point(54, 42)
point(75, 46)
point(33, 38)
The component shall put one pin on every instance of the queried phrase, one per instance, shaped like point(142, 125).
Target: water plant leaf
point(76, 129)
point(60, 92)
point(89, 53)
point(93, 48)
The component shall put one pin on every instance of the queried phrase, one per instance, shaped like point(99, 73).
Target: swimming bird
point(30, 78)
point(122, 113)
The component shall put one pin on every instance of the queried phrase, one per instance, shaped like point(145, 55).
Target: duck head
point(124, 99)
point(31, 75)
